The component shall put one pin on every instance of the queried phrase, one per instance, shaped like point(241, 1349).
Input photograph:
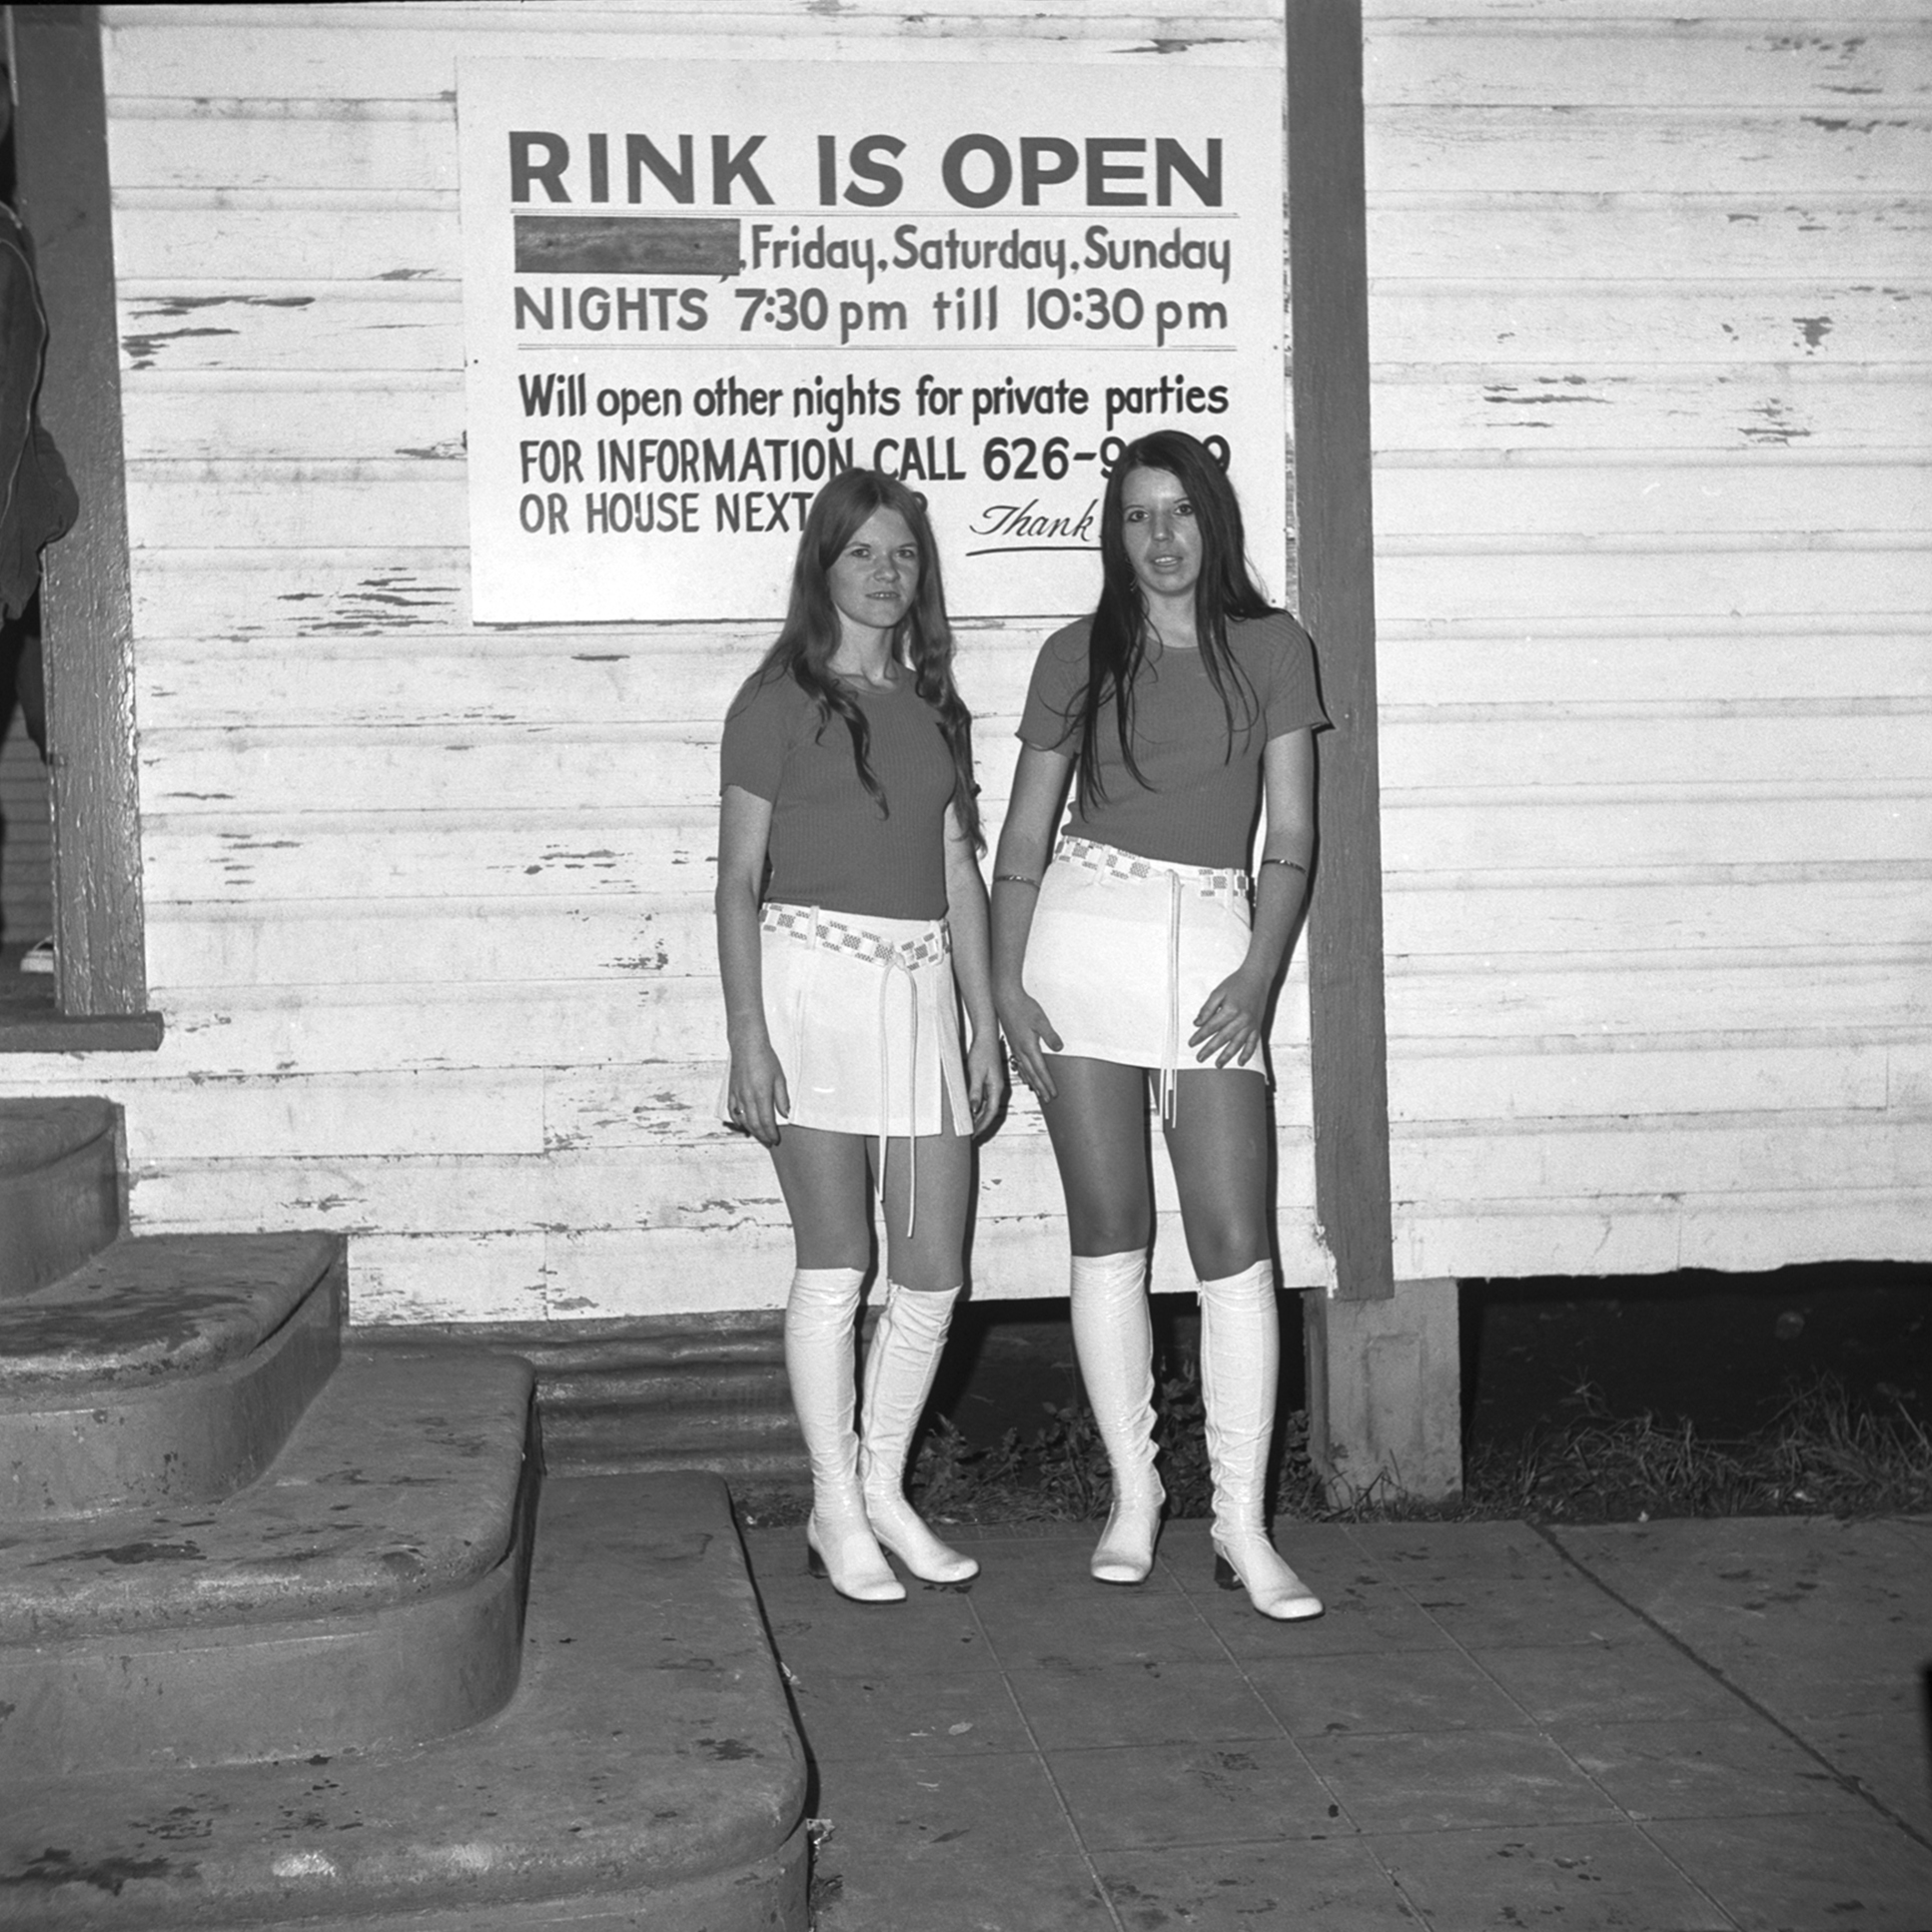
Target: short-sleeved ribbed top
point(831, 845)
point(1201, 794)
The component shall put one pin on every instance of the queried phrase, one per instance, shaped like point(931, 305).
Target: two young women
point(850, 903)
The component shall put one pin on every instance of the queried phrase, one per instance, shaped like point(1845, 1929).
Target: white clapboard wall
point(1650, 335)
point(429, 906)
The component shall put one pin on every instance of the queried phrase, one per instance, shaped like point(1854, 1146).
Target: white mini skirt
point(864, 1021)
point(1124, 952)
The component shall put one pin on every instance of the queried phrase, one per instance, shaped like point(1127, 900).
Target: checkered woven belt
point(1210, 882)
point(841, 935)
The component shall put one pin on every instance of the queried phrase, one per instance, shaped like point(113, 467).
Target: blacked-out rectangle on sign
point(627, 244)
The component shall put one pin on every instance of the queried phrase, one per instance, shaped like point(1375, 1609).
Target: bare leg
point(1097, 1123)
point(1219, 1143)
point(826, 1182)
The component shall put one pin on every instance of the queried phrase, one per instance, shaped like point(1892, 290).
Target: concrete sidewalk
point(1662, 1727)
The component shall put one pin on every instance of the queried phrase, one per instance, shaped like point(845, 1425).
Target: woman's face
point(875, 579)
point(1162, 539)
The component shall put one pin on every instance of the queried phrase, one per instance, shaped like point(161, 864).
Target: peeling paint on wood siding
point(1653, 450)
point(431, 913)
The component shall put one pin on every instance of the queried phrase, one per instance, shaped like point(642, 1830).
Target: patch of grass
point(1823, 1454)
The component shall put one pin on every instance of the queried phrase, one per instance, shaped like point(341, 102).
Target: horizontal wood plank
point(1677, 500)
point(1422, 834)
point(722, 1186)
point(507, 855)
point(554, 676)
point(1854, 148)
point(1635, 409)
point(1504, 238)
point(318, 326)
point(634, 765)
point(1450, 585)
point(1644, 60)
point(356, 506)
point(1569, 325)
point(196, 234)
point(1703, 1154)
point(1638, 913)
point(1805, 665)
point(340, 327)
point(1725, 997)
point(301, 417)
point(1657, 1084)
point(316, 418)
point(1655, 1233)
point(402, 53)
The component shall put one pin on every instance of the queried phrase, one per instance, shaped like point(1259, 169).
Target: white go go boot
point(840, 1543)
point(1241, 1349)
point(900, 1367)
point(1113, 1336)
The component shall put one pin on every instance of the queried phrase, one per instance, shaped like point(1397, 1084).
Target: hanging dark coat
point(39, 501)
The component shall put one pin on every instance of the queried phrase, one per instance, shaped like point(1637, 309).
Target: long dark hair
point(1117, 641)
point(922, 642)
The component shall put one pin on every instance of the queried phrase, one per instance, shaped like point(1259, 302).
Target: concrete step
point(367, 1590)
point(60, 1188)
point(646, 1775)
point(162, 1370)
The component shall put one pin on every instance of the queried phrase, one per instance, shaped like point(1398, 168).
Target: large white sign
point(693, 291)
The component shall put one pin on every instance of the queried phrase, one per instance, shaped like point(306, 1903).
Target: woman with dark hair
point(1173, 709)
point(850, 908)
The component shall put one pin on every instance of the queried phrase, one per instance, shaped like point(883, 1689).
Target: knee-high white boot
point(1241, 1349)
point(840, 1542)
point(1114, 1338)
point(900, 1367)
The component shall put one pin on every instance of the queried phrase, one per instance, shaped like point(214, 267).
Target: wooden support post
point(1382, 1370)
point(1387, 1405)
point(86, 623)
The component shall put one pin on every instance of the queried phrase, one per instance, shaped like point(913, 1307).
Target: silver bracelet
point(1016, 878)
point(1296, 863)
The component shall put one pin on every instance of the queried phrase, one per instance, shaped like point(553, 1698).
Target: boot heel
point(861, 1573)
point(1274, 1590)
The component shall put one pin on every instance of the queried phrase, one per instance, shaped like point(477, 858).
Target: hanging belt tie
point(1170, 1088)
point(895, 964)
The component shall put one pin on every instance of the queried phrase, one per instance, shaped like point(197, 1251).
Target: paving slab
point(1494, 1726)
point(646, 1774)
point(1822, 1627)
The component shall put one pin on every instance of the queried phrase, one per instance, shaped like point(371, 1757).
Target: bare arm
point(1026, 844)
point(1229, 1025)
point(972, 971)
point(757, 1083)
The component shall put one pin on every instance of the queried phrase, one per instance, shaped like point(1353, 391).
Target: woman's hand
point(757, 1096)
point(1029, 1033)
point(1229, 1025)
point(985, 1077)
